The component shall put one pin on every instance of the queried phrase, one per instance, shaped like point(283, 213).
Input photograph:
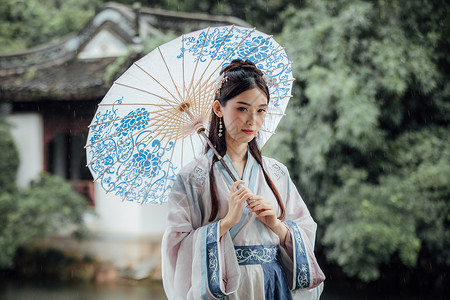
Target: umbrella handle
point(219, 157)
point(201, 131)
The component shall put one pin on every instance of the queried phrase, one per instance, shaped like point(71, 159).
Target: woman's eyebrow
point(245, 103)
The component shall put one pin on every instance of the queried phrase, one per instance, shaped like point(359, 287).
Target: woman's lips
point(248, 131)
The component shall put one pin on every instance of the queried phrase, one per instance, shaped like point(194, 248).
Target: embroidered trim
point(199, 175)
point(260, 254)
point(212, 260)
point(302, 269)
point(277, 171)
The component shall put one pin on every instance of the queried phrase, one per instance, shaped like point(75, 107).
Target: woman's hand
point(236, 201)
point(267, 214)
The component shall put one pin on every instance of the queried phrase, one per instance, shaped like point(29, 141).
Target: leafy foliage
point(9, 160)
point(264, 14)
point(27, 23)
point(45, 207)
point(368, 129)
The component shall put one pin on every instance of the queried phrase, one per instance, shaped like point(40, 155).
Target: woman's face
point(243, 115)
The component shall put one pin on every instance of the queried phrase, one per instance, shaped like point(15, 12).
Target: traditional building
point(50, 94)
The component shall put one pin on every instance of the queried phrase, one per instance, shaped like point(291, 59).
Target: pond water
point(129, 290)
point(147, 290)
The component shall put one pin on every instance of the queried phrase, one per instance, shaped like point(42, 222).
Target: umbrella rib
point(225, 59)
point(284, 81)
point(203, 142)
point(220, 46)
point(170, 133)
point(276, 97)
point(157, 112)
point(192, 145)
point(260, 44)
point(110, 149)
point(279, 67)
point(118, 119)
point(173, 128)
point(182, 66)
point(141, 90)
point(182, 152)
point(123, 155)
point(142, 168)
point(128, 166)
point(212, 58)
point(271, 54)
point(210, 61)
point(123, 141)
point(276, 114)
point(130, 104)
point(157, 82)
point(170, 75)
point(203, 99)
point(206, 106)
point(159, 142)
point(268, 131)
point(170, 160)
point(111, 135)
point(167, 172)
point(198, 59)
point(172, 116)
point(151, 178)
point(210, 95)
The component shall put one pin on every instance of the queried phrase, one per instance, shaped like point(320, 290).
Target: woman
point(251, 239)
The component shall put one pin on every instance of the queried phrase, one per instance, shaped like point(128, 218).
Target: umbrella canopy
point(146, 126)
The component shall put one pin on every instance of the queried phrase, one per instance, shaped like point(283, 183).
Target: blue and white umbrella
point(146, 127)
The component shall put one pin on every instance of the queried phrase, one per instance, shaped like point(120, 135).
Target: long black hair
point(241, 76)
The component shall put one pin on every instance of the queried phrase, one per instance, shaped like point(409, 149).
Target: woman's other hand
point(267, 214)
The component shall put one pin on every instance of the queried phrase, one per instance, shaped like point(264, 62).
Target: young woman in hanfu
point(251, 239)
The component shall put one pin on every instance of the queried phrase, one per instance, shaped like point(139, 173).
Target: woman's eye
point(242, 109)
point(261, 110)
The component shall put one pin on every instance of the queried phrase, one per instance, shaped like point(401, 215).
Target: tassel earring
point(220, 127)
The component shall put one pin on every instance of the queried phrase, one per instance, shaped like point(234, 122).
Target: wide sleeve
point(196, 262)
point(297, 257)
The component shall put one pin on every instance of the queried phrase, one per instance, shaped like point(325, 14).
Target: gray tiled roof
point(53, 71)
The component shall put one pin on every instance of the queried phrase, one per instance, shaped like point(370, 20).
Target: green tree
point(366, 136)
point(9, 159)
point(263, 14)
point(45, 206)
point(28, 23)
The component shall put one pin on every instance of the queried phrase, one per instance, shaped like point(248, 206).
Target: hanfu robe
point(248, 261)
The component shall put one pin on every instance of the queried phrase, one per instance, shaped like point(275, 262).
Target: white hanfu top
point(247, 262)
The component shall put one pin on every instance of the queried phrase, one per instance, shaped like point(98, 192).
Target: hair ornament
point(219, 82)
point(270, 81)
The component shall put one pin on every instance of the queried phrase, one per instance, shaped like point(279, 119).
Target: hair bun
point(239, 64)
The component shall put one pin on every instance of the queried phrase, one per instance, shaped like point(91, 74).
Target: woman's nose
point(251, 117)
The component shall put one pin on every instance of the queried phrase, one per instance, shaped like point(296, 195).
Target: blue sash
point(275, 282)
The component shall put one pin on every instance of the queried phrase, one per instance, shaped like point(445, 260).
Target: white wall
point(115, 216)
point(27, 131)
